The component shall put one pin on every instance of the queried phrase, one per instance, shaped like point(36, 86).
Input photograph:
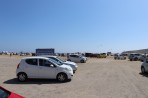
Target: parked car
point(119, 57)
point(8, 94)
point(73, 65)
point(143, 58)
point(102, 55)
point(77, 58)
point(144, 66)
point(134, 57)
point(43, 68)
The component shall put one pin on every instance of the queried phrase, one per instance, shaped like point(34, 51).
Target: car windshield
point(56, 62)
point(61, 59)
point(80, 56)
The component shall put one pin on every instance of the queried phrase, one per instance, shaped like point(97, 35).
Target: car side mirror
point(53, 66)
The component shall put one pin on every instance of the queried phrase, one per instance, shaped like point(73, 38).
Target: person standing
point(10, 54)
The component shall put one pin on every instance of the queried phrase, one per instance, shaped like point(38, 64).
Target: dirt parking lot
point(98, 78)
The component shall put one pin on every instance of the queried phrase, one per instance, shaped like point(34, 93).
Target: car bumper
point(74, 67)
point(70, 75)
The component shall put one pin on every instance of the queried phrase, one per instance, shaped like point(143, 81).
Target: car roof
point(74, 54)
point(35, 57)
point(48, 56)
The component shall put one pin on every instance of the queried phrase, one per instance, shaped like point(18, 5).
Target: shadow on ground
point(33, 81)
point(145, 75)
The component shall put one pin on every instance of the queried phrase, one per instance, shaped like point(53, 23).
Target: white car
point(73, 65)
point(43, 68)
point(119, 57)
point(144, 67)
point(134, 57)
point(77, 58)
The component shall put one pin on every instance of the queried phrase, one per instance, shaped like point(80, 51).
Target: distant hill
point(142, 51)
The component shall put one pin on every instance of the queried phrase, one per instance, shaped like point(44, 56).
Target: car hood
point(70, 63)
point(85, 58)
point(65, 66)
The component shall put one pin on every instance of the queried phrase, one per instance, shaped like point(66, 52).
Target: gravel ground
point(98, 78)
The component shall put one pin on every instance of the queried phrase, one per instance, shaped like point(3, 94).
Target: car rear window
point(32, 61)
point(74, 56)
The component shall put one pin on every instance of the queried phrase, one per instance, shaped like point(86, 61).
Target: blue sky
point(73, 25)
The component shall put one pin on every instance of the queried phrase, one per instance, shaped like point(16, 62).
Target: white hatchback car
point(77, 58)
point(73, 65)
point(43, 68)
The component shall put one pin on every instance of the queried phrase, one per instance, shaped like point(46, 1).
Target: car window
point(32, 61)
point(55, 62)
point(54, 59)
point(137, 54)
point(61, 59)
point(76, 56)
point(72, 55)
point(43, 62)
point(4, 94)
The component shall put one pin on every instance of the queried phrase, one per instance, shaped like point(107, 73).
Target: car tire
point(62, 77)
point(82, 61)
point(22, 77)
point(142, 70)
point(136, 59)
point(68, 60)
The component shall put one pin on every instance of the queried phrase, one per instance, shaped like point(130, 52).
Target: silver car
point(144, 67)
point(119, 57)
point(77, 58)
point(73, 65)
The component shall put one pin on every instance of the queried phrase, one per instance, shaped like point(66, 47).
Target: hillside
point(143, 51)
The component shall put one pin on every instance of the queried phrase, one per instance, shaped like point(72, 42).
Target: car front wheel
point(82, 61)
point(68, 60)
point(62, 77)
point(22, 77)
point(142, 70)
